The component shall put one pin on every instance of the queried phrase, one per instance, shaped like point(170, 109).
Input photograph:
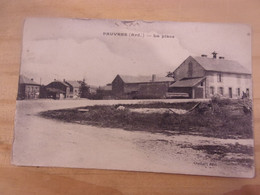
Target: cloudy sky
point(73, 49)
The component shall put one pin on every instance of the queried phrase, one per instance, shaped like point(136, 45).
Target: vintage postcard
point(147, 96)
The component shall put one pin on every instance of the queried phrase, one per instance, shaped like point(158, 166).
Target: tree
point(84, 89)
point(170, 74)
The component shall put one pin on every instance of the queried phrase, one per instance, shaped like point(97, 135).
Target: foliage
point(217, 118)
point(84, 90)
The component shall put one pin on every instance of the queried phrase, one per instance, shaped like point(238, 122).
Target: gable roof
point(57, 81)
point(144, 79)
point(187, 82)
point(25, 80)
point(75, 84)
point(221, 65)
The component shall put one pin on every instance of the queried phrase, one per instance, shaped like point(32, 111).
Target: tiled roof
point(187, 82)
point(25, 80)
point(221, 65)
point(73, 83)
point(144, 79)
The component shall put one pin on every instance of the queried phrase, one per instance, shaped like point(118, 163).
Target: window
point(190, 70)
point(221, 90)
point(201, 84)
point(238, 92)
point(230, 92)
point(219, 77)
point(212, 90)
point(247, 92)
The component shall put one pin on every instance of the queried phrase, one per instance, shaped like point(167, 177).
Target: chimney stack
point(214, 54)
point(203, 55)
point(153, 77)
point(31, 79)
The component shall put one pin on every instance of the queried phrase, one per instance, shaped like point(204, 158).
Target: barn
point(125, 86)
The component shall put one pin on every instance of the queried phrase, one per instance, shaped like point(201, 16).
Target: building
point(28, 88)
point(203, 77)
point(74, 88)
point(57, 90)
point(124, 86)
point(104, 92)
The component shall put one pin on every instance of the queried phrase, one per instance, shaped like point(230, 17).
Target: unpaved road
point(44, 142)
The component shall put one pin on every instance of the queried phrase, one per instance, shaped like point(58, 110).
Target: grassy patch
point(218, 118)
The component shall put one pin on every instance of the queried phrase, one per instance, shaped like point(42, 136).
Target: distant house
point(124, 86)
point(93, 89)
point(58, 90)
point(203, 77)
point(74, 88)
point(28, 88)
point(104, 92)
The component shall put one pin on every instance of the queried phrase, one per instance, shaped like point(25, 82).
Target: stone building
point(28, 88)
point(203, 77)
point(74, 88)
point(124, 86)
point(57, 90)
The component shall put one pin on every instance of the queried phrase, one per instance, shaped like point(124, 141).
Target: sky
point(73, 49)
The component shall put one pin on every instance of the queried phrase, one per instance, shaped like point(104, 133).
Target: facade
point(28, 88)
point(74, 88)
point(57, 90)
point(124, 86)
point(203, 77)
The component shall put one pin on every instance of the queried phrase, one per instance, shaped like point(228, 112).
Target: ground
point(45, 142)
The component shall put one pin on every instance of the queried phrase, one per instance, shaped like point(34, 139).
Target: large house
point(74, 88)
point(124, 86)
point(203, 77)
point(57, 90)
point(28, 88)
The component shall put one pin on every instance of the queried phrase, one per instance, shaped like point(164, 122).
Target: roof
point(187, 82)
point(75, 84)
point(57, 81)
point(25, 80)
point(221, 65)
point(144, 79)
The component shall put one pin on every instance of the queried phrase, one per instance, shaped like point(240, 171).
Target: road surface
point(46, 142)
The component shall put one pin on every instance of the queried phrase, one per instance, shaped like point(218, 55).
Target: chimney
point(153, 77)
point(214, 54)
point(203, 55)
point(64, 80)
point(221, 57)
point(31, 79)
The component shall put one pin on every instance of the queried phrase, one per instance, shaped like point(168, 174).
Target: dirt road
point(44, 142)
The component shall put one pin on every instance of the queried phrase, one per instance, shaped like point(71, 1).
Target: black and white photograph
point(150, 96)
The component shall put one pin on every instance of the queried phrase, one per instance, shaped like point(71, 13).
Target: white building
point(203, 77)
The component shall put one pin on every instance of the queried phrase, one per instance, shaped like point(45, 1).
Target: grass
point(217, 118)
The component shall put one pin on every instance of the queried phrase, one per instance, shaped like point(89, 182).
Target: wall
point(183, 69)
point(229, 80)
point(153, 90)
point(117, 86)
